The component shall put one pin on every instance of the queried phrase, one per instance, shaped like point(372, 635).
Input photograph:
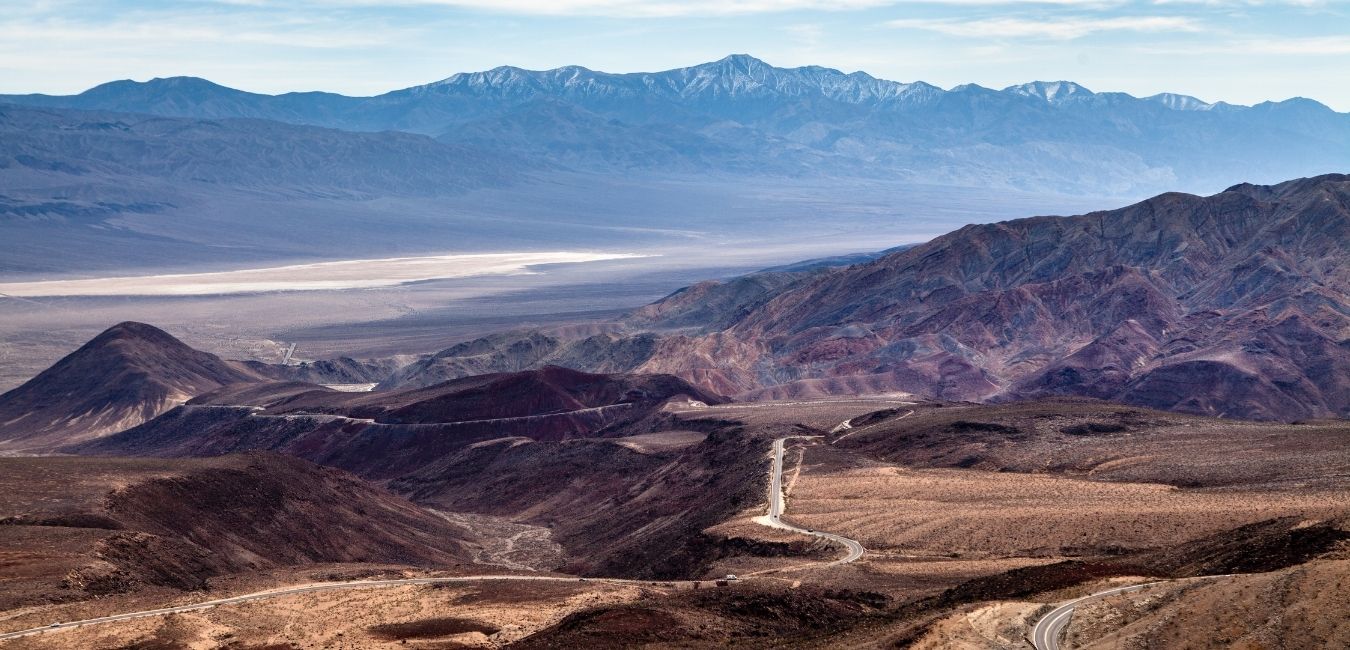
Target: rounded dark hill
point(124, 376)
point(531, 393)
point(386, 434)
point(271, 394)
point(550, 389)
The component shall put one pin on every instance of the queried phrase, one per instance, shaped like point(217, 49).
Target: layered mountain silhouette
point(1235, 304)
point(538, 395)
point(133, 372)
point(742, 115)
point(260, 156)
point(128, 374)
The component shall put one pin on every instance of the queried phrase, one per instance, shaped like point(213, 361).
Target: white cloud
point(676, 8)
point(1303, 46)
point(199, 29)
point(640, 8)
point(1056, 29)
point(1307, 46)
point(1243, 3)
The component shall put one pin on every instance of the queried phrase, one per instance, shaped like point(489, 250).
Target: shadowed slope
point(128, 374)
point(94, 526)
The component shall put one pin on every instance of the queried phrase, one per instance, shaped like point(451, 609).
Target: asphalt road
point(256, 412)
point(315, 587)
point(847, 425)
point(1045, 636)
point(775, 514)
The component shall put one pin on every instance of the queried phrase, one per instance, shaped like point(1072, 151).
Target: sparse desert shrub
point(429, 628)
point(65, 520)
point(967, 426)
point(1094, 427)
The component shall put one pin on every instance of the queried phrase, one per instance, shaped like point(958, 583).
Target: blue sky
point(1241, 51)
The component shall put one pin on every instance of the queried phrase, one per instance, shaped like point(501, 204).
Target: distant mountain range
point(741, 115)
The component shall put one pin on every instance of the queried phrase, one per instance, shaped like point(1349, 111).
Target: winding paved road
point(775, 514)
point(257, 412)
point(1045, 636)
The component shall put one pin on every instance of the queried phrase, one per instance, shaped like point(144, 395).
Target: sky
point(1239, 51)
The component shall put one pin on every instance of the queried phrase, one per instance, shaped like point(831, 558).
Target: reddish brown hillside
point(124, 376)
point(387, 434)
point(1235, 304)
point(82, 527)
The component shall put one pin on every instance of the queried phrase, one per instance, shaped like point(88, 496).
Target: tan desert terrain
point(482, 615)
point(985, 514)
point(1298, 607)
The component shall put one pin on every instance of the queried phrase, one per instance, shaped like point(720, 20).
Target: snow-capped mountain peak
point(1052, 92)
point(1180, 102)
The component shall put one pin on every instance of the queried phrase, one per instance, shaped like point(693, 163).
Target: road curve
point(775, 514)
point(1045, 635)
point(315, 587)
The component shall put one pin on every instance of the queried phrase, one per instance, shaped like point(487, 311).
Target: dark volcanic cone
point(123, 377)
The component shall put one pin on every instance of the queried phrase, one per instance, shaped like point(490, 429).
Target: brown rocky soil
point(1298, 607)
point(489, 614)
point(1110, 442)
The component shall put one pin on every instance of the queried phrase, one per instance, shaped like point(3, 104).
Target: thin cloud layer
point(1066, 28)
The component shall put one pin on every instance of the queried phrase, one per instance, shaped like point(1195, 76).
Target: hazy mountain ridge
point(742, 115)
point(253, 155)
point(82, 188)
